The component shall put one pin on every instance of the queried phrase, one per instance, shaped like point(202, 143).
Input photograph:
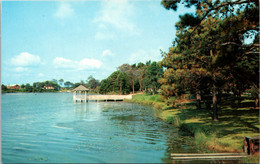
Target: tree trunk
point(219, 97)
point(133, 86)
point(198, 97)
point(214, 99)
point(214, 93)
point(120, 88)
point(141, 87)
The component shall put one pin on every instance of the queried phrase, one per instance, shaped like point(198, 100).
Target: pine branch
point(219, 6)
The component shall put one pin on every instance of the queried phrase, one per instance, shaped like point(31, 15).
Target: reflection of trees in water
point(120, 121)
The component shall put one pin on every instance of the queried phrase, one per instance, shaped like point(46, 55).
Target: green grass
point(153, 100)
point(237, 119)
point(224, 135)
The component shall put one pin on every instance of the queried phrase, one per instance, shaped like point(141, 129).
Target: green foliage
point(3, 88)
point(138, 77)
point(104, 86)
point(75, 85)
point(28, 87)
point(209, 54)
point(92, 83)
point(154, 100)
point(68, 84)
point(54, 81)
point(187, 20)
point(61, 81)
point(117, 82)
point(39, 86)
point(152, 75)
point(130, 71)
point(226, 135)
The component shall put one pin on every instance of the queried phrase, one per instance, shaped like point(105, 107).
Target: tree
point(140, 74)
point(82, 82)
point(152, 74)
point(22, 86)
point(75, 85)
point(121, 81)
point(37, 86)
point(68, 84)
point(104, 86)
point(130, 70)
point(61, 81)
point(212, 41)
point(28, 87)
point(54, 81)
point(3, 87)
point(116, 82)
point(92, 82)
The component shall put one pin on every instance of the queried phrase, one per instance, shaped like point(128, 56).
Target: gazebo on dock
point(80, 93)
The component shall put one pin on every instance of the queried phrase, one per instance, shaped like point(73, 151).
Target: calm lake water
point(51, 128)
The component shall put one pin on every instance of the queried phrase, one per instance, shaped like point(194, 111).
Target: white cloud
point(89, 64)
point(83, 64)
point(60, 62)
point(26, 59)
point(64, 11)
point(107, 53)
point(144, 56)
point(116, 15)
point(20, 69)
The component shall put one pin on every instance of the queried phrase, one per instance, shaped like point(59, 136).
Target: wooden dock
point(208, 156)
point(83, 98)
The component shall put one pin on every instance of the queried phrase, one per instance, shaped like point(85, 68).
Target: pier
point(83, 98)
point(208, 156)
point(80, 94)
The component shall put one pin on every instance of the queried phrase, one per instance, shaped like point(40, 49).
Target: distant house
point(48, 87)
point(13, 86)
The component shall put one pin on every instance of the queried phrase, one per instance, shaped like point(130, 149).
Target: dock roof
point(81, 88)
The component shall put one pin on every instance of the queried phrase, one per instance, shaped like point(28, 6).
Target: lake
point(51, 128)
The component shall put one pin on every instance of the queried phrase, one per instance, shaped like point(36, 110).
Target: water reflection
point(87, 111)
point(61, 131)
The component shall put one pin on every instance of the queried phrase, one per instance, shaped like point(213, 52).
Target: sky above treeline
point(44, 40)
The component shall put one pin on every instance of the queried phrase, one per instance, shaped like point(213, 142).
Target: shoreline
point(209, 136)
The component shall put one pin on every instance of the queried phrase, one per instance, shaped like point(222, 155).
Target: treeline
point(127, 79)
point(54, 86)
point(131, 78)
point(210, 55)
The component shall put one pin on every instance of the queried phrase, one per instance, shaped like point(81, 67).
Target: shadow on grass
point(232, 120)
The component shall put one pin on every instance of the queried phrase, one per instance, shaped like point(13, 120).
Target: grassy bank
point(153, 100)
point(236, 120)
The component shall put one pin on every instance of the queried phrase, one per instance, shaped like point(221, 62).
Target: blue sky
point(44, 40)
